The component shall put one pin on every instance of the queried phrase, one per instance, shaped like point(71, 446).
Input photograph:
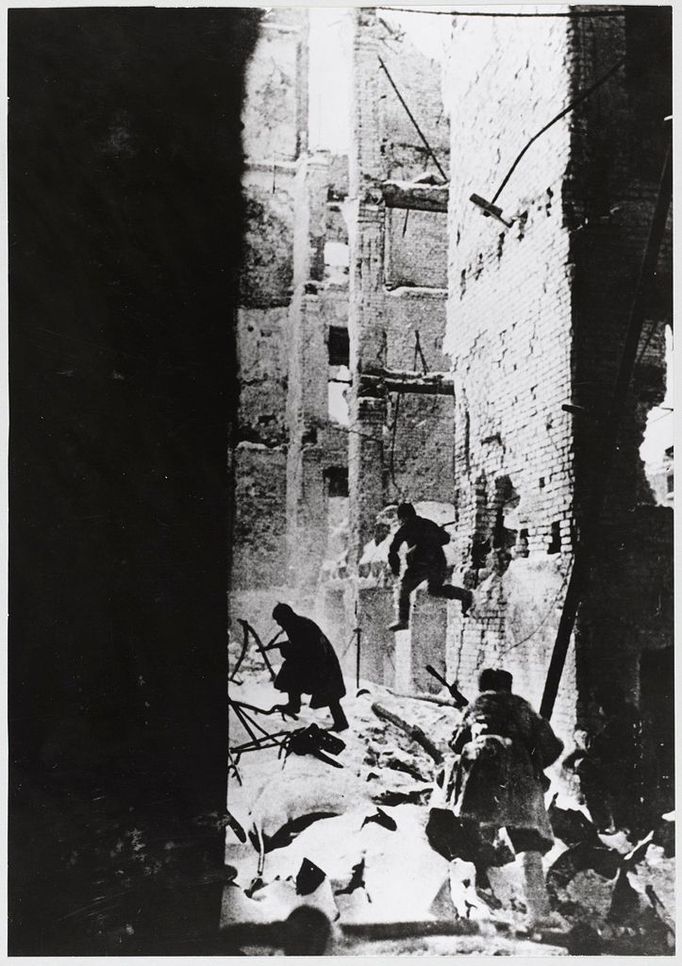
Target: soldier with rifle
point(310, 667)
point(496, 781)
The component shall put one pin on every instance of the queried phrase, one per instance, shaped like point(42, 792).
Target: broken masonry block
point(416, 796)
point(626, 902)
point(308, 878)
point(382, 819)
point(399, 761)
point(580, 858)
point(357, 880)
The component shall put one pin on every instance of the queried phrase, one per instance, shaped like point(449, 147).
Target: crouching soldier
point(310, 667)
point(496, 782)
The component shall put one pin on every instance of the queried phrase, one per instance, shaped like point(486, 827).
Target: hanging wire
point(544, 620)
point(347, 429)
point(418, 355)
point(394, 431)
point(595, 12)
point(583, 95)
point(412, 118)
point(668, 412)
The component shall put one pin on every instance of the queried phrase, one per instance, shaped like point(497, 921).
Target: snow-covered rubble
point(351, 842)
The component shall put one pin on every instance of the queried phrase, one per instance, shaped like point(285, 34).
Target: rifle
point(455, 693)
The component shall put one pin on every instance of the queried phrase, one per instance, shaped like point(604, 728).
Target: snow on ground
point(358, 834)
point(383, 773)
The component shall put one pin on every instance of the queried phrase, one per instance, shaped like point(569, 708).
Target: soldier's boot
point(294, 703)
point(292, 707)
point(339, 720)
point(403, 622)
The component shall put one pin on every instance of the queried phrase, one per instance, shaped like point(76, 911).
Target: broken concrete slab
point(591, 895)
point(393, 861)
point(401, 761)
point(417, 795)
point(279, 898)
point(578, 858)
point(507, 883)
point(304, 786)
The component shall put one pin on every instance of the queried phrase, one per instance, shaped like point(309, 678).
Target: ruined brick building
point(520, 319)
point(335, 283)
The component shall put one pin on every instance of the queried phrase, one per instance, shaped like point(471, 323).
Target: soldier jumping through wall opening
point(425, 562)
point(310, 667)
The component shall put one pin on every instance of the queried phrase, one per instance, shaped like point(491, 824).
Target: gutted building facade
point(396, 344)
point(339, 286)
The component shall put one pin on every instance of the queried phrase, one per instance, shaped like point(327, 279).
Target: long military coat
point(310, 664)
point(501, 748)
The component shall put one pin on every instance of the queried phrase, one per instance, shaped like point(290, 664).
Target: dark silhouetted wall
point(124, 205)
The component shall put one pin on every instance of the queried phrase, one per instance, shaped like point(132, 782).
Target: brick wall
point(396, 279)
point(273, 118)
point(416, 249)
point(508, 334)
point(261, 350)
point(418, 79)
point(536, 317)
point(259, 537)
point(273, 114)
point(618, 146)
point(419, 453)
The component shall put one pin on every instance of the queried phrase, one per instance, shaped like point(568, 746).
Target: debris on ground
point(355, 844)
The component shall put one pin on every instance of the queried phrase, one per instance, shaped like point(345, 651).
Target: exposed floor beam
point(417, 197)
point(393, 380)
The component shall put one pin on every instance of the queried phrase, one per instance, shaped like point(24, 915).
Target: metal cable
point(598, 12)
point(569, 107)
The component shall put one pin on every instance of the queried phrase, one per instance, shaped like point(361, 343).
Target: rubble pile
point(350, 842)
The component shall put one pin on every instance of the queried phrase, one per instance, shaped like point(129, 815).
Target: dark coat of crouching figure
point(310, 666)
point(495, 782)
